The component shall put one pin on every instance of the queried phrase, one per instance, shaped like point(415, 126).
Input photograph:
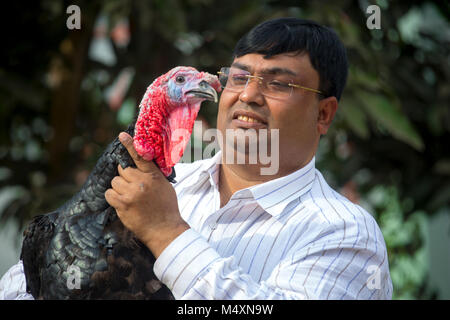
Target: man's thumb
point(141, 163)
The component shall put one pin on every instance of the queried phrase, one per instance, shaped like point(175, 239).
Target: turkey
point(82, 250)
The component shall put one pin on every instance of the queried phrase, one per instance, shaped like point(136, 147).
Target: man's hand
point(145, 202)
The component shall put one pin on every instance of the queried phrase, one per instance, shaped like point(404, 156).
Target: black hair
point(292, 35)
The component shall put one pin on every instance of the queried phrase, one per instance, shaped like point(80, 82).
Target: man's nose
point(252, 92)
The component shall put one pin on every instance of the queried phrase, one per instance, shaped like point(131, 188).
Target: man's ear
point(327, 110)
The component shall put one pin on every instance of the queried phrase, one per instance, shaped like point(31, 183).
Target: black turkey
point(82, 250)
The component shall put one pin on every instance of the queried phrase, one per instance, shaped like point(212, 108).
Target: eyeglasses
point(273, 86)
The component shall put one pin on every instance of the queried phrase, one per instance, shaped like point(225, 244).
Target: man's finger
point(119, 184)
point(113, 198)
point(128, 174)
point(141, 164)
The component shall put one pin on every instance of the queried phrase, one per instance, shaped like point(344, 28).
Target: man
point(227, 231)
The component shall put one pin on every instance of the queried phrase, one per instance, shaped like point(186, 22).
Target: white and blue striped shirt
point(290, 238)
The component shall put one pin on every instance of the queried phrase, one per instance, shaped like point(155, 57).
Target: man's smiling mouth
point(248, 119)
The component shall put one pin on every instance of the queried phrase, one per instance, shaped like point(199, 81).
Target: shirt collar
point(274, 195)
point(209, 168)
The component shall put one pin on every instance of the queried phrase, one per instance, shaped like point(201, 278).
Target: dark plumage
point(86, 232)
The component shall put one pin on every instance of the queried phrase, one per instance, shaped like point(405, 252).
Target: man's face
point(295, 117)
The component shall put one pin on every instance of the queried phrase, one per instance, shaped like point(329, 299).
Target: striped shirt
point(293, 237)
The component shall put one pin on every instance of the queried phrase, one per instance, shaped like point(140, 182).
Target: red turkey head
point(167, 114)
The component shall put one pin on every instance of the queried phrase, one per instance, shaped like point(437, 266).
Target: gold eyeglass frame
point(249, 77)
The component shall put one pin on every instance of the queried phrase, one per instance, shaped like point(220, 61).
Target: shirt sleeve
point(192, 269)
point(327, 269)
point(13, 284)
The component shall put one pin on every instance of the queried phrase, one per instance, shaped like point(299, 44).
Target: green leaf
point(363, 79)
point(387, 113)
point(354, 116)
point(126, 112)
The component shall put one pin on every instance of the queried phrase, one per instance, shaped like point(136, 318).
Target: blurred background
point(65, 94)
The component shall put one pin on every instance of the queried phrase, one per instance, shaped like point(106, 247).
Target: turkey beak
point(204, 91)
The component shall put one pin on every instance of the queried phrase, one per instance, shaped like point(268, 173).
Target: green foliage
point(388, 114)
point(126, 112)
point(405, 239)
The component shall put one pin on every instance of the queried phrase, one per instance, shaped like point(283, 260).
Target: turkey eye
point(180, 79)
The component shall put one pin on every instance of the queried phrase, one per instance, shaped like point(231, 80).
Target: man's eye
point(239, 79)
point(180, 79)
point(278, 84)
